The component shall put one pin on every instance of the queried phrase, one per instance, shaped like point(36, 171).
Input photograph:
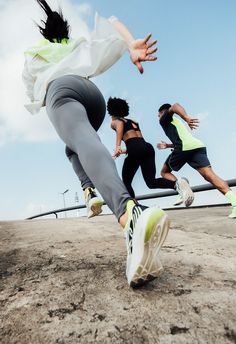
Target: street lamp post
point(64, 201)
point(77, 203)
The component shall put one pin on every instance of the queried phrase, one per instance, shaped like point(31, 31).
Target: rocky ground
point(63, 281)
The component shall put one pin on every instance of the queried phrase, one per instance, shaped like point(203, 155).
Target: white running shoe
point(178, 200)
point(184, 190)
point(93, 202)
point(146, 231)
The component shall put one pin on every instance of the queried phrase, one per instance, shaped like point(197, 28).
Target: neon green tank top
point(188, 140)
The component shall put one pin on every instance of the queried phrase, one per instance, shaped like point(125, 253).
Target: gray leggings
point(76, 109)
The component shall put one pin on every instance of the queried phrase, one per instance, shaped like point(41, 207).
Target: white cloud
point(16, 18)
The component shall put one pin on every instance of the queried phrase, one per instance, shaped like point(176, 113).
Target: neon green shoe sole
point(233, 213)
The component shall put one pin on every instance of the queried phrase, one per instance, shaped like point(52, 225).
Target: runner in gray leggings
point(76, 109)
point(55, 75)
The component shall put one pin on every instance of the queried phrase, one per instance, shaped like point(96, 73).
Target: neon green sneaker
point(233, 213)
point(145, 232)
point(93, 202)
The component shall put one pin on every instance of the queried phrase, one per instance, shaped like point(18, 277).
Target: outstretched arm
point(118, 126)
point(193, 123)
point(140, 50)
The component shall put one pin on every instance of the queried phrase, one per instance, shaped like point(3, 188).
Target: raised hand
point(117, 152)
point(141, 50)
point(193, 123)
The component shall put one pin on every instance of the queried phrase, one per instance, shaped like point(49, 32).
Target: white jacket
point(87, 58)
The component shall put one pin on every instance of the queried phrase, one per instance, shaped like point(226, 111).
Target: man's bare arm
point(176, 108)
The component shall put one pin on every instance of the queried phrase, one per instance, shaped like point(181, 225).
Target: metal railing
point(198, 188)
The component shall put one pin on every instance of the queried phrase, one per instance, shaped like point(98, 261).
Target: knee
point(163, 174)
point(69, 152)
point(207, 175)
point(149, 183)
point(164, 171)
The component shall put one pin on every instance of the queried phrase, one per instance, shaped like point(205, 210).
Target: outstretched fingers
point(150, 58)
point(151, 51)
point(146, 39)
point(194, 123)
point(151, 44)
point(139, 66)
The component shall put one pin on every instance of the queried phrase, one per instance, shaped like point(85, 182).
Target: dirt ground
point(63, 281)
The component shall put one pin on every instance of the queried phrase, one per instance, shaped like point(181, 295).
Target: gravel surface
point(63, 281)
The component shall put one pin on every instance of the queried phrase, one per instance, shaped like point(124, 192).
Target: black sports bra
point(128, 125)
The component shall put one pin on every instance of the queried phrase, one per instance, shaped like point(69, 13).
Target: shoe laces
point(129, 238)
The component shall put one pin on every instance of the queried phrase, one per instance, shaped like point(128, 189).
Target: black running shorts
point(196, 158)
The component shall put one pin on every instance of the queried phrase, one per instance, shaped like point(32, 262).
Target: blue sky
point(195, 67)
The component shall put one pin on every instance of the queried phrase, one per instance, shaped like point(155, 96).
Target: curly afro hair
point(117, 107)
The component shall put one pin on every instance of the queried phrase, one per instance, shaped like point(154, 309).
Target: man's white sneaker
point(93, 202)
point(185, 192)
point(146, 231)
point(178, 200)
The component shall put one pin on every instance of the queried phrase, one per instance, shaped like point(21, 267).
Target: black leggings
point(142, 154)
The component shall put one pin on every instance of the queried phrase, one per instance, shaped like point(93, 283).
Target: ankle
point(123, 219)
point(88, 188)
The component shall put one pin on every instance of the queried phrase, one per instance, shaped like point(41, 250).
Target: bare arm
point(123, 30)
point(179, 110)
point(119, 128)
point(140, 49)
point(164, 145)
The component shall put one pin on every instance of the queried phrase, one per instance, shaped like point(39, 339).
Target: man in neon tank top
point(188, 149)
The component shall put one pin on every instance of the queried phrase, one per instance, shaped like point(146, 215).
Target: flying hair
point(55, 28)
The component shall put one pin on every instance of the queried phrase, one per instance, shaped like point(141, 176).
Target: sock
point(231, 197)
point(129, 206)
